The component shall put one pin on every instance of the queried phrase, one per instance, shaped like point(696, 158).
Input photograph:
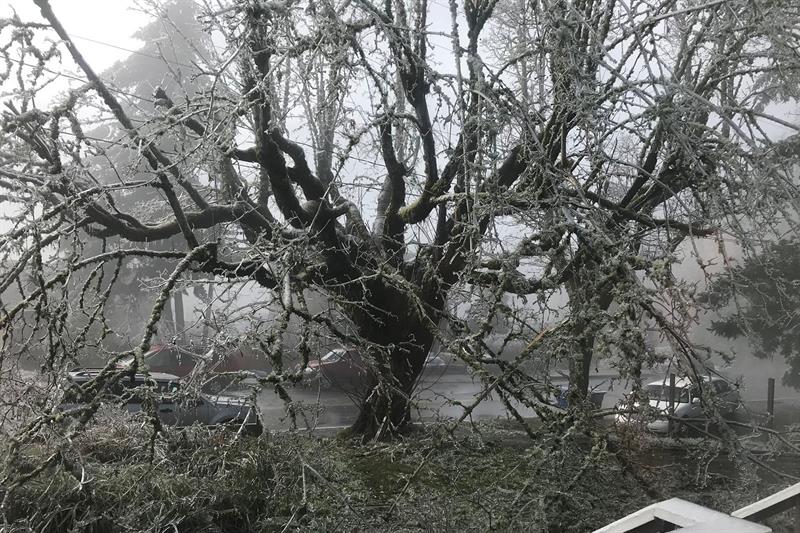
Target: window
point(168, 387)
point(721, 386)
point(333, 356)
point(135, 390)
point(661, 393)
point(162, 358)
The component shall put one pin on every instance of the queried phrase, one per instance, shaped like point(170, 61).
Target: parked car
point(173, 408)
point(561, 397)
point(688, 403)
point(340, 368)
point(435, 361)
point(345, 369)
point(219, 363)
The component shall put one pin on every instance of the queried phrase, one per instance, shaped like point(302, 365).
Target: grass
point(116, 478)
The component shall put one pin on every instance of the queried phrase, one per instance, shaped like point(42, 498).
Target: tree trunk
point(386, 406)
point(402, 336)
point(206, 319)
point(588, 302)
point(167, 322)
point(580, 366)
point(180, 318)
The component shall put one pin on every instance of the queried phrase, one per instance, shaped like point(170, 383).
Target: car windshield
point(167, 387)
point(333, 356)
point(155, 357)
point(661, 393)
point(162, 385)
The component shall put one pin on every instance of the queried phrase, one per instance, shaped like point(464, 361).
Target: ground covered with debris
point(117, 477)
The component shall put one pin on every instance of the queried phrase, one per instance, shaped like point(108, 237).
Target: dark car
point(346, 369)
point(218, 364)
point(173, 407)
point(341, 368)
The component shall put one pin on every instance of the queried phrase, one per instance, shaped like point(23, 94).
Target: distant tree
point(174, 47)
point(760, 301)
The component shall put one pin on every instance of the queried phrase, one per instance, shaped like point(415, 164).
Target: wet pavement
point(442, 394)
point(445, 393)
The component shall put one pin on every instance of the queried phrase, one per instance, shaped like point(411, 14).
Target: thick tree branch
point(389, 225)
point(137, 232)
point(646, 220)
point(313, 189)
point(456, 249)
point(155, 158)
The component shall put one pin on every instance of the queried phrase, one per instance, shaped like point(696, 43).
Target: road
point(445, 394)
point(441, 395)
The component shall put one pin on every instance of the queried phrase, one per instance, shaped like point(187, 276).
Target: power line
point(78, 78)
point(132, 95)
point(137, 52)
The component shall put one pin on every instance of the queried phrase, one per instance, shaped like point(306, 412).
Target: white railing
point(693, 518)
point(663, 516)
point(788, 498)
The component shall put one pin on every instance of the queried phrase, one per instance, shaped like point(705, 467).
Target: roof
point(93, 372)
point(682, 383)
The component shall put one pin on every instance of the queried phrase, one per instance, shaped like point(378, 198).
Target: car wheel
point(679, 429)
point(231, 425)
point(254, 430)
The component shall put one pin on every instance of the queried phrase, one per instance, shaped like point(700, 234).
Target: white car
point(688, 403)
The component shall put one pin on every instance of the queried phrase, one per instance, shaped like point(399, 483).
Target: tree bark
point(588, 301)
point(580, 367)
point(400, 326)
point(167, 322)
point(386, 406)
point(180, 318)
